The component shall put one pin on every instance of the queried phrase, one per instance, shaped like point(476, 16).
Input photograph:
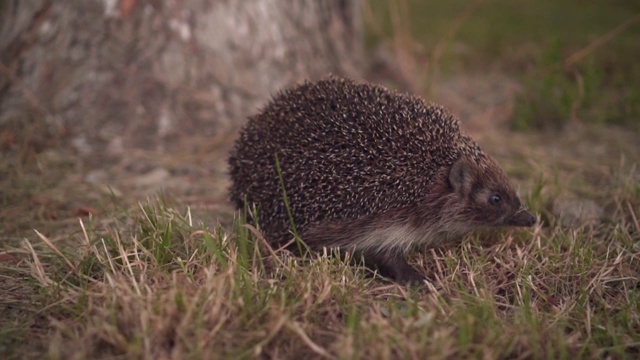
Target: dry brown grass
point(150, 282)
point(162, 281)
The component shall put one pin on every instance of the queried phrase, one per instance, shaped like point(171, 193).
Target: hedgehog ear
point(461, 177)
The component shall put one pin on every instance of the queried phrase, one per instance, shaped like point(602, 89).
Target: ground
point(50, 191)
point(144, 257)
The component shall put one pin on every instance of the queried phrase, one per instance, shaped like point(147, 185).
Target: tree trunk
point(116, 75)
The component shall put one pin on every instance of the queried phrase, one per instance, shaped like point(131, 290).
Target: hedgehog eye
point(495, 198)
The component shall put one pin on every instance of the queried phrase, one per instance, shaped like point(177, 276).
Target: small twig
point(599, 42)
point(274, 331)
point(438, 50)
point(402, 41)
point(37, 269)
point(292, 325)
point(580, 54)
point(576, 103)
point(370, 20)
point(266, 244)
point(54, 248)
point(633, 216)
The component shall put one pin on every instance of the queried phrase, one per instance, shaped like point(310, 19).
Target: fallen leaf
point(86, 211)
point(36, 200)
point(126, 6)
point(8, 258)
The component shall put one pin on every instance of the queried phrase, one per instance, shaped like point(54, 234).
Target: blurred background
point(120, 99)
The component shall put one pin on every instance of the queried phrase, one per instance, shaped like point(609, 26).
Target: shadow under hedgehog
point(370, 171)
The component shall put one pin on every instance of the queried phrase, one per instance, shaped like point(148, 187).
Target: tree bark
point(120, 74)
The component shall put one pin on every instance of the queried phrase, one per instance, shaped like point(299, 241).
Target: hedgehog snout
point(522, 218)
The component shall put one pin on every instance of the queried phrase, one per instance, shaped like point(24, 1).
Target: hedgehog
point(369, 171)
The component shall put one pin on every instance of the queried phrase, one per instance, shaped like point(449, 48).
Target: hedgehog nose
point(523, 218)
point(532, 219)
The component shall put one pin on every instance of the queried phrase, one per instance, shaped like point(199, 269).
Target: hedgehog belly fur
point(427, 224)
point(400, 237)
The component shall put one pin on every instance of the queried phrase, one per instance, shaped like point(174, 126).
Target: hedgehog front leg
point(383, 248)
point(394, 265)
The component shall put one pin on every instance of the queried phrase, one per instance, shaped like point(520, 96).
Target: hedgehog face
point(488, 199)
point(498, 205)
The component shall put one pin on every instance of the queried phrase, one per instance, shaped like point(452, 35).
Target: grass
point(574, 58)
point(152, 283)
